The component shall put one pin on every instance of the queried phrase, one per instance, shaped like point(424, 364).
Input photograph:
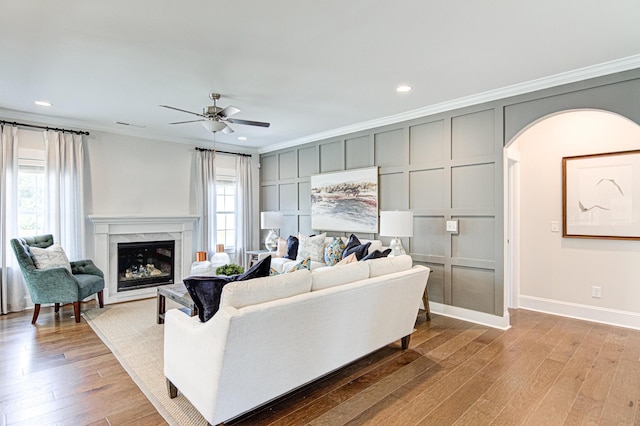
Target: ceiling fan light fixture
point(214, 126)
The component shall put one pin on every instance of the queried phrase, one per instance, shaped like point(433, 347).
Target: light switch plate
point(555, 226)
point(452, 226)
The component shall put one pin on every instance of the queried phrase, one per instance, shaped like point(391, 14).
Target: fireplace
point(110, 231)
point(145, 264)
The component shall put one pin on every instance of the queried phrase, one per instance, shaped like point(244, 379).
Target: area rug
point(131, 333)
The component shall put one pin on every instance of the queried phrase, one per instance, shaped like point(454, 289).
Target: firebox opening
point(145, 264)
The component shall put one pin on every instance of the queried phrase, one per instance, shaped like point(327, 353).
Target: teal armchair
point(57, 285)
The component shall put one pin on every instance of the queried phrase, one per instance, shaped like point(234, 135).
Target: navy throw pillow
point(353, 246)
point(377, 254)
point(292, 247)
point(206, 292)
point(352, 242)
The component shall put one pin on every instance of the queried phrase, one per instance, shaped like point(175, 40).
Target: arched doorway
point(543, 270)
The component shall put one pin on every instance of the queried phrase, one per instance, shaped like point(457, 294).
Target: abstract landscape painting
point(345, 201)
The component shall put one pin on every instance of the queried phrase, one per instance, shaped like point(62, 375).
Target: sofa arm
point(193, 355)
point(86, 267)
point(265, 254)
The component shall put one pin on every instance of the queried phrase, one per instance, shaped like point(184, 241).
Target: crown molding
point(55, 121)
point(606, 68)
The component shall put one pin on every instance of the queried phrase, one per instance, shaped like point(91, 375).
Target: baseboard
point(583, 312)
point(472, 316)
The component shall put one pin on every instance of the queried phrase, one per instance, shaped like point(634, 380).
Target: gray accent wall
point(447, 166)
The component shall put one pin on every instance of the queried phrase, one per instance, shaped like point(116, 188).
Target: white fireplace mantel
point(110, 229)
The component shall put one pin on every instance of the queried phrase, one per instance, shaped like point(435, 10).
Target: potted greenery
point(229, 269)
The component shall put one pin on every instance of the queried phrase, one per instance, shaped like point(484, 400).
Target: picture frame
point(601, 196)
point(345, 201)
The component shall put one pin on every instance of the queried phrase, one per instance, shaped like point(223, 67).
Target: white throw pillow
point(50, 257)
point(312, 247)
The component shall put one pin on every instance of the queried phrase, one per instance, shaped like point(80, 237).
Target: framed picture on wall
point(601, 196)
point(345, 201)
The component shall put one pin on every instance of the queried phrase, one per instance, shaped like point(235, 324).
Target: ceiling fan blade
point(227, 130)
point(188, 121)
point(183, 110)
point(248, 122)
point(228, 111)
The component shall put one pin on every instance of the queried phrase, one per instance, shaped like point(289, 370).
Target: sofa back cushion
point(388, 265)
point(338, 275)
point(260, 290)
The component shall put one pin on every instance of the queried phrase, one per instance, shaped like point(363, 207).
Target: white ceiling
point(310, 68)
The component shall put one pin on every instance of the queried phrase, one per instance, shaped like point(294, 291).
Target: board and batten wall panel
point(441, 167)
point(449, 166)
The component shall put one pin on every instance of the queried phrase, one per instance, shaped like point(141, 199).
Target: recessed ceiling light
point(242, 138)
point(403, 88)
point(43, 103)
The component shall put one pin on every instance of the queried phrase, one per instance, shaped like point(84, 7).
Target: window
point(30, 197)
point(225, 211)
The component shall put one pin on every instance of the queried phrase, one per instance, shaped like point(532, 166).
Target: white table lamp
point(396, 224)
point(271, 221)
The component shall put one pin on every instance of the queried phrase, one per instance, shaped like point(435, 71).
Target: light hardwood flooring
point(545, 370)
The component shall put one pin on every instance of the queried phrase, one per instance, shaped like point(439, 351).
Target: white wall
point(556, 274)
point(130, 175)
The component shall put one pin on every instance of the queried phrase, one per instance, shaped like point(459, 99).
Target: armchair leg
point(36, 312)
point(100, 299)
point(56, 307)
point(76, 311)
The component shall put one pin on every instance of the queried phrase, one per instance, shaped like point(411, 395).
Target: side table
point(252, 256)
point(178, 293)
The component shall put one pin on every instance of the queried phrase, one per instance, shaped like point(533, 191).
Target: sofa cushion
point(338, 275)
point(311, 247)
point(377, 254)
point(50, 257)
point(333, 251)
point(260, 290)
point(207, 291)
point(388, 265)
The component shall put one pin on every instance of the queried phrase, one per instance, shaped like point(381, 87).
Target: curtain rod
point(34, 126)
point(223, 152)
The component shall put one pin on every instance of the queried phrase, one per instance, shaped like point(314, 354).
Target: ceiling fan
point(215, 118)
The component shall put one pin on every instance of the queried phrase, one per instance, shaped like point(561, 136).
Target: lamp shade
point(270, 220)
point(214, 126)
point(396, 223)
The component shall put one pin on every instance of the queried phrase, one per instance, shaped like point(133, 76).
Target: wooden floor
point(545, 370)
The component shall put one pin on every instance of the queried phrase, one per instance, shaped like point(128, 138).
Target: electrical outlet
point(555, 226)
point(452, 226)
point(596, 292)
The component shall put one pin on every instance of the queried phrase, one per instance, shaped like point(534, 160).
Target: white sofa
point(282, 263)
point(272, 335)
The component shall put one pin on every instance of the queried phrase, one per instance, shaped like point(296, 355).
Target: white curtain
point(64, 192)
point(12, 288)
point(206, 195)
point(244, 209)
